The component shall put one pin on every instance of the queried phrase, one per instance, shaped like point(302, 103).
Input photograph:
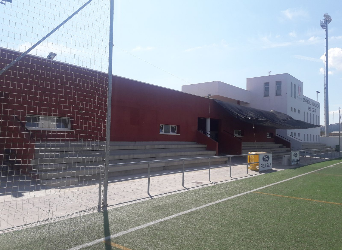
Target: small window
point(291, 134)
point(298, 111)
point(32, 122)
point(294, 109)
point(238, 133)
point(266, 89)
point(168, 129)
point(278, 88)
point(269, 135)
point(291, 109)
point(291, 89)
point(298, 134)
point(294, 91)
point(47, 123)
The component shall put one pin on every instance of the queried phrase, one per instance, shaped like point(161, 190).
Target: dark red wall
point(38, 86)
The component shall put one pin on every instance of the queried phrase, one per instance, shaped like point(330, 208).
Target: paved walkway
point(24, 202)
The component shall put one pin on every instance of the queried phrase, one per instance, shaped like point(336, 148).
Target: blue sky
point(172, 43)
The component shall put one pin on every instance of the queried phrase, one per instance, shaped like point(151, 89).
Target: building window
point(294, 91)
point(269, 135)
point(291, 109)
point(238, 133)
point(291, 134)
point(298, 111)
point(294, 109)
point(278, 88)
point(310, 119)
point(168, 129)
point(298, 134)
point(291, 88)
point(266, 89)
point(295, 134)
point(47, 123)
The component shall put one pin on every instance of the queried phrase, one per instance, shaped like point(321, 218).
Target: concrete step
point(263, 145)
point(60, 182)
point(76, 147)
point(92, 172)
point(74, 158)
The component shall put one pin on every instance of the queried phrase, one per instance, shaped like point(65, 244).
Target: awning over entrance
point(272, 118)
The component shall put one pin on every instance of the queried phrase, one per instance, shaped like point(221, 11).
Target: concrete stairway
point(277, 150)
point(70, 163)
point(315, 145)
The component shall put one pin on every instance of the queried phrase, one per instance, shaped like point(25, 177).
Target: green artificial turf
point(252, 221)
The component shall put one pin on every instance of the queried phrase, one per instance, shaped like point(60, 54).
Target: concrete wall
point(331, 141)
point(295, 105)
point(217, 88)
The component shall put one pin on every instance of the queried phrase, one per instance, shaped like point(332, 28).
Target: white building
point(281, 92)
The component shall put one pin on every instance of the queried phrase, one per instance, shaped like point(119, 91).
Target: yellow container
point(254, 157)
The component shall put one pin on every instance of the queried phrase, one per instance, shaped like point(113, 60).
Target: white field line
point(189, 211)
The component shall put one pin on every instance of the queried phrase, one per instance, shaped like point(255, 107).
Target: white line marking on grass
point(189, 211)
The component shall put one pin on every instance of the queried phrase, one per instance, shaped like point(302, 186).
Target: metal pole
point(230, 168)
point(183, 175)
point(109, 106)
point(209, 170)
point(326, 82)
point(43, 39)
point(148, 179)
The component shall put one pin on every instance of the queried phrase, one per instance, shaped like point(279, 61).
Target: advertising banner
point(265, 162)
point(294, 157)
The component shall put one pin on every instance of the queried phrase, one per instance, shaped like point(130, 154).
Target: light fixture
point(51, 55)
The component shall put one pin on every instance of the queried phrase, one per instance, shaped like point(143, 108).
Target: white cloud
point(321, 71)
point(220, 45)
point(270, 41)
point(294, 13)
point(335, 59)
point(307, 58)
point(139, 48)
point(293, 34)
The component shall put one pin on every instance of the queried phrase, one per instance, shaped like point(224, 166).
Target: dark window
point(266, 89)
point(278, 88)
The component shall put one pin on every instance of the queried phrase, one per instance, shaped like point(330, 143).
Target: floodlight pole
point(109, 107)
point(324, 25)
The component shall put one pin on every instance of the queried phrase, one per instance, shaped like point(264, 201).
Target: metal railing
point(307, 156)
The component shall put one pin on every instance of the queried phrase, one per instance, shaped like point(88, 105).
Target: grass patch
point(242, 221)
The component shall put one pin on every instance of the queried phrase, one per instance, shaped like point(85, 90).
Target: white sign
point(294, 157)
point(265, 162)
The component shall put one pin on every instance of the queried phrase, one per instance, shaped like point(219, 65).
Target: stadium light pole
point(324, 24)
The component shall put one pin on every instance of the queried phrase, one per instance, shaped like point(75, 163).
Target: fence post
point(148, 179)
point(183, 175)
point(209, 170)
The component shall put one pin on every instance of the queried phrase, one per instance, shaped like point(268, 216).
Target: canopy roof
point(271, 118)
